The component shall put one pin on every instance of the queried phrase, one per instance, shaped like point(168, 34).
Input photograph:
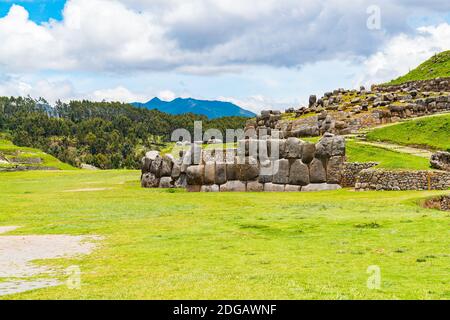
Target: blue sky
point(270, 55)
point(39, 10)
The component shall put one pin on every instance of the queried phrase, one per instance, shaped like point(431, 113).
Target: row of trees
point(104, 134)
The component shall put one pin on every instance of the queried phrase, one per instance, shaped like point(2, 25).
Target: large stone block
point(193, 188)
point(329, 146)
point(265, 171)
point(221, 173)
point(281, 171)
point(210, 188)
point(156, 166)
point(234, 185)
point(249, 170)
point(195, 174)
point(149, 180)
point(255, 186)
point(165, 182)
point(298, 173)
point(210, 173)
point(317, 173)
point(320, 187)
point(152, 155)
point(231, 171)
point(292, 188)
point(293, 148)
point(272, 187)
point(276, 148)
point(181, 182)
point(335, 169)
point(308, 152)
point(146, 163)
point(176, 169)
point(166, 166)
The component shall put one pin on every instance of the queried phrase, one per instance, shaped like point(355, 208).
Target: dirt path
point(17, 254)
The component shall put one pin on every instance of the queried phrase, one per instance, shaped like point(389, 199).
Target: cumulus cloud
point(48, 89)
point(404, 52)
point(256, 103)
point(119, 93)
point(198, 36)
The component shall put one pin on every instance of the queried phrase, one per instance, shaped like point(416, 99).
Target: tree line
point(108, 135)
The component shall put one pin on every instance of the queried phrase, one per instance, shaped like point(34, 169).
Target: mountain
point(211, 109)
point(438, 66)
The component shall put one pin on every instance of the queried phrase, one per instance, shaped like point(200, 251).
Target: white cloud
point(51, 90)
point(166, 95)
point(198, 36)
point(404, 52)
point(256, 103)
point(120, 93)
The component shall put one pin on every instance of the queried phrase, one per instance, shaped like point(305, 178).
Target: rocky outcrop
point(441, 160)
point(440, 203)
point(347, 111)
point(439, 84)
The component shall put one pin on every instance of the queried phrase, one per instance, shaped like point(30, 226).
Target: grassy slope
point(436, 66)
point(387, 159)
point(159, 244)
point(8, 149)
point(430, 132)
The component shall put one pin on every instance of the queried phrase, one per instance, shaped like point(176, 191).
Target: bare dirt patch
point(17, 254)
point(88, 190)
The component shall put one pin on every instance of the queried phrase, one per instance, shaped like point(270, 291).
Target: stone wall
point(347, 111)
point(162, 171)
point(440, 203)
point(373, 179)
point(256, 165)
point(439, 84)
point(440, 160)
point(351, 170)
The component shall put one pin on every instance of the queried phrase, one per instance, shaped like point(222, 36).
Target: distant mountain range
point(211, 109)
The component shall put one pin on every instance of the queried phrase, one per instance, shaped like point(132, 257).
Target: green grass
point(435, 67)
point(164, 245)
point(9, 151)
point(430, 132)
point(388, 159)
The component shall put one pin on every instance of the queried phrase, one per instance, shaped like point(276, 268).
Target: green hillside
point(13, 157)
point(430, 132)
point(437, 66)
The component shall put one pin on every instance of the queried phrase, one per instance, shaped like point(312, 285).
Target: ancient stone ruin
point(347, 111)
point(256, 165)
point(441, 160)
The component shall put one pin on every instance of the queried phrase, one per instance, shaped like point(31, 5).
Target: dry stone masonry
point(373, 179)
point(347, 111)
point(441, 160)
point(256, 165)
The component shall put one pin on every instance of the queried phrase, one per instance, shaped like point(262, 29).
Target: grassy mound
point(435, 67)
point(12, 156)
point(430, 133)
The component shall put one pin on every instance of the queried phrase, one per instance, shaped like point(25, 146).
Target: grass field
point(429, 132)
point(160, 244)
point(387, 159)
point(435, 67)
point(10, 151)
